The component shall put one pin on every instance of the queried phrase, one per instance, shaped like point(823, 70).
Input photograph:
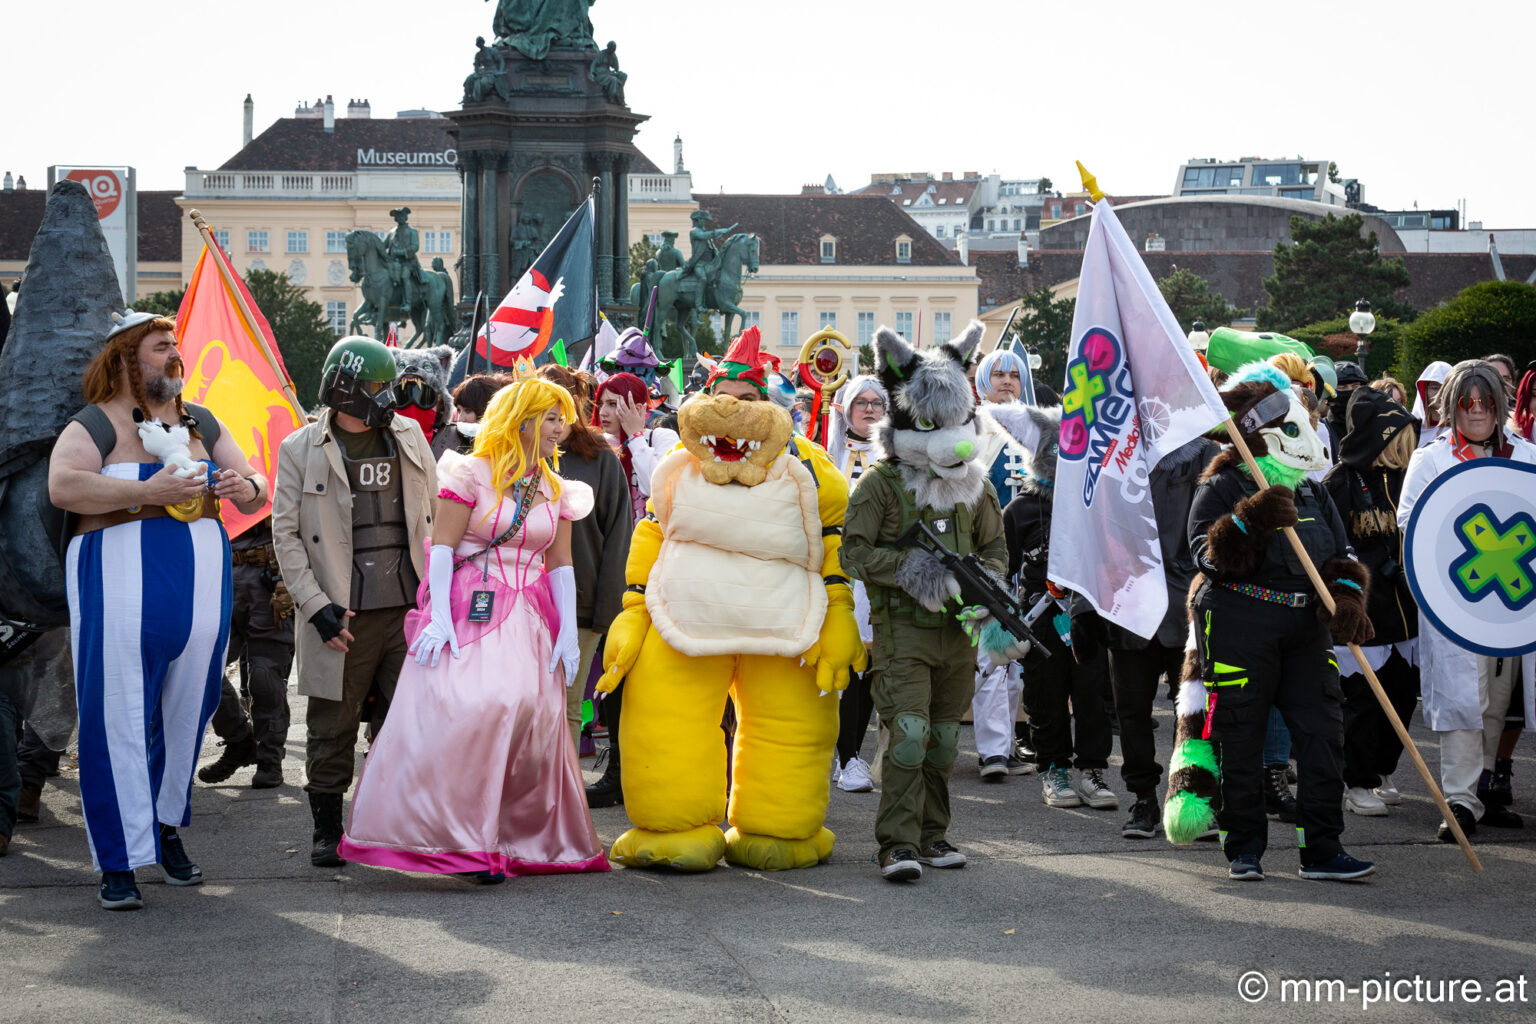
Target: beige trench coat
point(312, 532)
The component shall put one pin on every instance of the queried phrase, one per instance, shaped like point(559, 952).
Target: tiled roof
point(642, 164)
point(303, 144)
point(21, 214)
point(906, 193)
point(790, 227)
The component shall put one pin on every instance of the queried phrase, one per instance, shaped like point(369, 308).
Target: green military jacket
point(877, 515)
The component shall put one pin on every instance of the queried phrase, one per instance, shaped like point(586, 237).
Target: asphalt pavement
point(1056, 918)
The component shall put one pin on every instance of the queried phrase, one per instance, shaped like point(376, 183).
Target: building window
point(941, 328)
point(221, 239)
point(866, 328)
point(1017, 224)
point(829, 250)
point(1055, 211)
point(991, 225)
point(1078, 212)
point(440, 242)
point(298, 241)
point(789, 329)
point(751, 318)
point(654, 237)
point(336, 317)
point(904, 325)
point(255, 241)
point(938, 231)
point(903, 251)
point(717, 323)
point(335, 241)
point(826, 320)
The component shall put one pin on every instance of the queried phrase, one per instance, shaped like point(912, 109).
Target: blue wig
point(1004, 357)
point(1260, 372)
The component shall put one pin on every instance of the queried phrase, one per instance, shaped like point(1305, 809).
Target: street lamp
point(1199, 337)
point(1034, 358)
point(1362, 323)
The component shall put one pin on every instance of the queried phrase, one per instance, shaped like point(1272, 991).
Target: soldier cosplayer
point(926, 662)
point(350, 511)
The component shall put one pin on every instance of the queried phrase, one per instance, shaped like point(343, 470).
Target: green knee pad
point(909, 740)
point(946, 744)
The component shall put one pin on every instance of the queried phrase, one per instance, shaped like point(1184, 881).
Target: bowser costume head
point(732, 429)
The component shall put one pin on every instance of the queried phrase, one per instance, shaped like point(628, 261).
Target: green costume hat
point(1229, 349)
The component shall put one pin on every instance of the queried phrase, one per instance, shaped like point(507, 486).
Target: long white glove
point(562, 582)
point(438, 632)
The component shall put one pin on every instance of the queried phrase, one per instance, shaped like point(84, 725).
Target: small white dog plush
point(172, 446)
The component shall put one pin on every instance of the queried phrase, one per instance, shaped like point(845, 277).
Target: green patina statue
point(489, 77)
point(533, 27)
point(701, 239)
point(604, 70)
point(400, 248)
point(669, 257)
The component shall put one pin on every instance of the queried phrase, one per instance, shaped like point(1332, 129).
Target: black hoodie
point(1367, 496)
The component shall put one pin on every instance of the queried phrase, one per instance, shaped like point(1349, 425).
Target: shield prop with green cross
point(1471, 555)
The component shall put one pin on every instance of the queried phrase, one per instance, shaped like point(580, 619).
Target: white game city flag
point(1134, 392)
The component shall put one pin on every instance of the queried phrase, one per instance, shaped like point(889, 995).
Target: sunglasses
point(1475, 403)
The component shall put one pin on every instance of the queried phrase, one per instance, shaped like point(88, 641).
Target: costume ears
point(968, 340)
point(895, 359)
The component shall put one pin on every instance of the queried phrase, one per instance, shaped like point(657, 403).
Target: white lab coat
point(1447, 671)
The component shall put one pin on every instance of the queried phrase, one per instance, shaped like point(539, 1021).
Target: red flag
point(227, 372)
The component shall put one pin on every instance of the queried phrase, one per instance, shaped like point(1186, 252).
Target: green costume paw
point(697, 849)
point(770, 853)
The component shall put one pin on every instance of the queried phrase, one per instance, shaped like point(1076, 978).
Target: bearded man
point(148, 572)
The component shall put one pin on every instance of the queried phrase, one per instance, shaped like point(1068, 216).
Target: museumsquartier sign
point(420, 158)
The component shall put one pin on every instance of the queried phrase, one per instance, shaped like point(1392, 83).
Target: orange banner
point(227, 372)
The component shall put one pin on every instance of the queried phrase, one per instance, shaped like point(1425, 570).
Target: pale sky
point(1422, 102)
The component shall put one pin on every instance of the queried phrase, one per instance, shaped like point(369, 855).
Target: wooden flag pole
point(1091, 186)
point(250, 319)
point(1370, 674)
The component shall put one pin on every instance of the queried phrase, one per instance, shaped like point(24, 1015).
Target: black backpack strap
point(207, 425)
point(100, 427)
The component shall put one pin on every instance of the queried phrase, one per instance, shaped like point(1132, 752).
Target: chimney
point(677, 155)
point(249, 131)
point(21, 183)
point(359, 108)
point(949, 176)
point(1023, 251)
point(963, 246)
point(330, 114)
point(10, 183)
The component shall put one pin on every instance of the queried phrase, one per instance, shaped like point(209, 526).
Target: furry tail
point(1194, 776)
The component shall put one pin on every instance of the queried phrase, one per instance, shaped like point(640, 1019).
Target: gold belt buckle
point(186, 511)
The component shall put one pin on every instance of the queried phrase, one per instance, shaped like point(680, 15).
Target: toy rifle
point(977, 585)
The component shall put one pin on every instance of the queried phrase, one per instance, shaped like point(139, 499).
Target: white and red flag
point(554, 302)
point(1134, 392)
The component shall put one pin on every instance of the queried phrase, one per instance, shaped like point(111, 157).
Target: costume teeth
point(706, 439)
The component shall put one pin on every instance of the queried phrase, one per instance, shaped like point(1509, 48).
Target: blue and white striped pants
point(149, 605)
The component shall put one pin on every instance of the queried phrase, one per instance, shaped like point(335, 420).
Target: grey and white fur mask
point(932, 431)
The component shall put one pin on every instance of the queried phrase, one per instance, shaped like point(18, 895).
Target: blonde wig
point(500, 440)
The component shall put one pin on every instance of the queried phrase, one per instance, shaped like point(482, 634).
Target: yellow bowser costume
point(735, 589)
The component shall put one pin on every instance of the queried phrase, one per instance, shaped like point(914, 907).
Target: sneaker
point(1464, 819)
point(1057, 789)
point(837, 769)
point(1018, 766)
point(941, 854)
point(119, 892)
point(1363, 802)
point(1245, 867)
point(1145, 817)
point(1341, 867)
point(1210, 835)
point(176, 867)
point(1090, 785)
point(855, 777)
point(1501, 817)
point(1387, 793)
point(901, 865)
point(994, 768)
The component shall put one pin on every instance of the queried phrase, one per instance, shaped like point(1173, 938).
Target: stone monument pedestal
point(526, 162)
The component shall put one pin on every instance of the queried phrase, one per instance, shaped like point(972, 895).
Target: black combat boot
point(1500, 787)
point(1279, 801)
point(607, 791)
point(326, 809)
point(235, 757)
